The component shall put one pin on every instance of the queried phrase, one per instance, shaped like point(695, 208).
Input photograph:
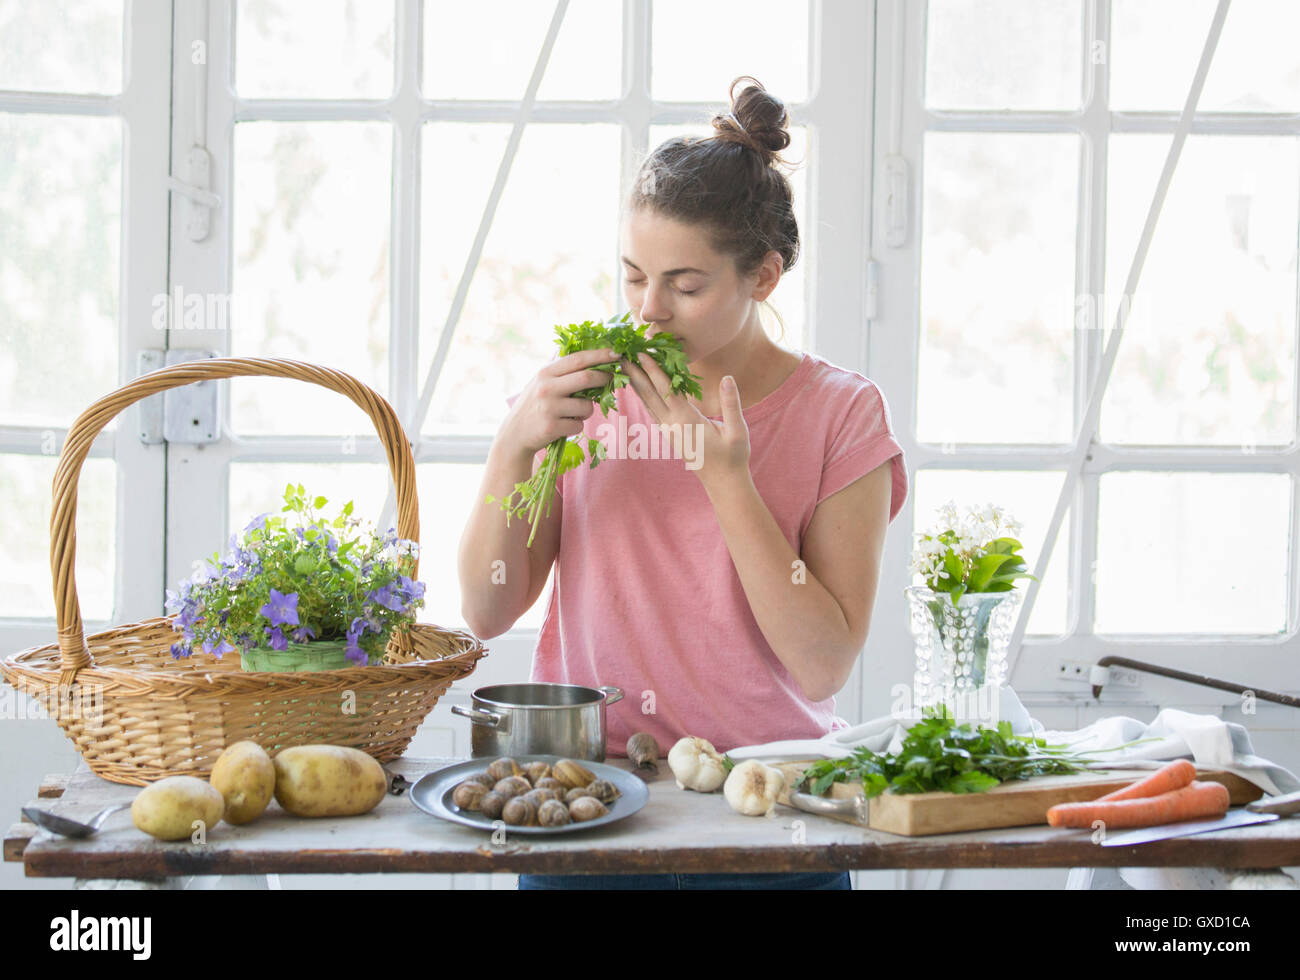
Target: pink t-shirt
point(645, 596)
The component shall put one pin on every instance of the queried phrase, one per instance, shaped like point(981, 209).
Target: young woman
point(726, 586)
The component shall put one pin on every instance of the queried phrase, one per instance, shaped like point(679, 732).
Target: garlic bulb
point(752, 788)
point(696, 765)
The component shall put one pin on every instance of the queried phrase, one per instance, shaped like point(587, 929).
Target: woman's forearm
point(493, 595)
point(800, 619)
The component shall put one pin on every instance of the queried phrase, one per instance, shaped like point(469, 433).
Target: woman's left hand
point(717, 452)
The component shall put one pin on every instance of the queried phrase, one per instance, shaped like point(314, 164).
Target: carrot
point(1176, 775)
point(1195, 801)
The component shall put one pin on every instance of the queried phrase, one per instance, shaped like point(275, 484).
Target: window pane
point(340, 49)
point(61, 47)
point(487, 49)
point(700, 47)
point(789, 297)
point(1156, 45)
point(60, 231)
point(997, 288)
point(1192, 552)
point(549, 257)
point(1029, 497)
point(448, 493)
point(257, 487)
point(311, 228)
point(1208, 354)
point(26, 585)
point(991, 54)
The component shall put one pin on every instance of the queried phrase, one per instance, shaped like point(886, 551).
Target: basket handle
point(74, 654)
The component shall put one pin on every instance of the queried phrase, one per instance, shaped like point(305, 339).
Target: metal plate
point(432, 794)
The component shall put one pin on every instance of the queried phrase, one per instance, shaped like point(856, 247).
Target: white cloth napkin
point(1209, 741)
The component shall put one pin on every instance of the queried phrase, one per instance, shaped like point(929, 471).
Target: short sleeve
point(864, 439)
point(540, 453)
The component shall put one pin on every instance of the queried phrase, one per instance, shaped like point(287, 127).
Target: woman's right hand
point(545, 410)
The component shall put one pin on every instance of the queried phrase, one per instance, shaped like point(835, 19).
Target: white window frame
point(902, 121)
point(144, 108)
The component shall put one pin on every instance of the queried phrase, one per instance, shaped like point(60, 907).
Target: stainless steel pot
point(539, 719)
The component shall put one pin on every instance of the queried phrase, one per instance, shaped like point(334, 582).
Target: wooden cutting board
point(1012, 804)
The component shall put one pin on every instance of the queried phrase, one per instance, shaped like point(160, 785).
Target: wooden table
point(677, 831)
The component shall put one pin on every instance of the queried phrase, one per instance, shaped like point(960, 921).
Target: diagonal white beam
point(1088, 427)
point(414, 424)
point(489, 212)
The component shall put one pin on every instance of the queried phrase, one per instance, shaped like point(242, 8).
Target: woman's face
point(675, 281)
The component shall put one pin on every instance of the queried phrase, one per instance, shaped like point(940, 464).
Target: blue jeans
point(816, 880)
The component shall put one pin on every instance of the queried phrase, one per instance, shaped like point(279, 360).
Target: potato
point(168, 808)
point(328, 781)
point(245, 775)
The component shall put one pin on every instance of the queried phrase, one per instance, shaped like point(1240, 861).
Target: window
point(1037, 134)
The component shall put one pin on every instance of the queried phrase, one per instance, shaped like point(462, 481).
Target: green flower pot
point(317, 655)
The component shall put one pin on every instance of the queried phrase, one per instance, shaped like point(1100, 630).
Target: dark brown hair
point(729, 182)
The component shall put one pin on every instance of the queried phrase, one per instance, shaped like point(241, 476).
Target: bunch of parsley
point(938, 754)
point(532, 498)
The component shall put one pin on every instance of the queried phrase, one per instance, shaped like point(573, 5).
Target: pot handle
point(477, 716)
point(612, 694)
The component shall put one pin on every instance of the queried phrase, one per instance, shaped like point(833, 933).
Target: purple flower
point(410, 590)
point(373, 623)
point(179, 650)
point(257, 523)
point(303, 633)
point(217, 649)
point(356, 628)
point(188, 616)
point(281, 609)
point(276, 637)
point(355, 654)
point(386, 598)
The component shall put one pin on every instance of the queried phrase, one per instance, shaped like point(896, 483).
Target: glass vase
point(961, 649)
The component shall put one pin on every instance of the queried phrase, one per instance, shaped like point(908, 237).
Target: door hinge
point(188, 415)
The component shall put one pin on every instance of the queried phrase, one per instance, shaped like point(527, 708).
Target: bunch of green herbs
point(532, 498)
point(939, 755)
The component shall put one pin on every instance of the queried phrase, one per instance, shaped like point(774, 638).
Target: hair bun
point(757, 119)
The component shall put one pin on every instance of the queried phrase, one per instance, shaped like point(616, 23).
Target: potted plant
point(963, 615)
point(310, 594)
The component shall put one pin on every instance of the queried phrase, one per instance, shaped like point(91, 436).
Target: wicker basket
point(137, 715)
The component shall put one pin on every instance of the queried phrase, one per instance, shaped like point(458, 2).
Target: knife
point(1186, 828)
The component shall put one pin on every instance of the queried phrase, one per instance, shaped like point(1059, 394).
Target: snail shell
point(553, 813)
point(572, 773)
point(469, 794)
point(587, 808)
point(541, 795)
point(533, 771)
point(602, 790)
point(550, 782)
point(512, 786)
point(643, 750)
point(520, 812)
point(492, 804)
point(503, 767)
